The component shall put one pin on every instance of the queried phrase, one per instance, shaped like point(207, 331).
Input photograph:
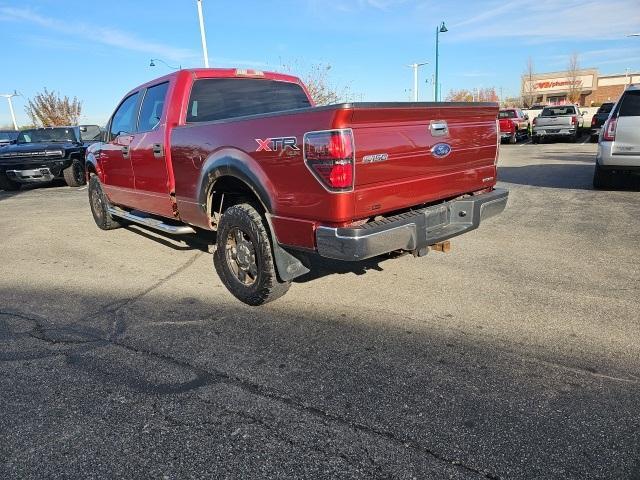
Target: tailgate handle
point(439, 128)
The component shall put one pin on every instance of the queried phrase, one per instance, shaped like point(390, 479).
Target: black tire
point(7, 184)
point(513, 139)
point(535, 139)
point(602, 179)
point(594, 139)
point(74, 174)
point(247, 269)
point(100, 206)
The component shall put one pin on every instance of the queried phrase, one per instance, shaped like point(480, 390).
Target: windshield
point(8, 136)
point(555, 111)
point(507, 114)
point(42, 135)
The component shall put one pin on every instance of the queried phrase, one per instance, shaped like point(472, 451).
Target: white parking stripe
point(586, 140)
point(526, 143)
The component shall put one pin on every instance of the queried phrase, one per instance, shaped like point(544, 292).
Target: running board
point(151, 222)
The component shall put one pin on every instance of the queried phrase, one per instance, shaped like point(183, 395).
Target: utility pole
point(9, 96)
point(626, 75)
point(415, 67)
point(203, 37)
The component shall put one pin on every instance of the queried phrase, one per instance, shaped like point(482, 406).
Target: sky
point(97, 51)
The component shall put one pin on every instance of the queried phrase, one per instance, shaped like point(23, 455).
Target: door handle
point(158, 151)
point(125, 151)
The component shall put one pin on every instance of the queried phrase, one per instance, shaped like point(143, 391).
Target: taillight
point(574, 120)
point(330, 157)
point(593, 121)
point(609, 133)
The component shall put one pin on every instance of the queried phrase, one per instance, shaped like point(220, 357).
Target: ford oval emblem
point(441, 150)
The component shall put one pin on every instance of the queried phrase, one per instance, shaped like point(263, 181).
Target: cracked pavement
point(515, 356)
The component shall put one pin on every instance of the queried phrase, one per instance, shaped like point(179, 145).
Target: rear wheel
point(100, 206)
point(7, 184)
point(513, 139)
point(602, 178)
point(74, 174)
point(244, 259)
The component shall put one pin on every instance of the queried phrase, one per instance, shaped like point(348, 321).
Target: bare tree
point(528, 85)
point(316, 78)
point(573, 76)
point(478, 95)
point(48, 109)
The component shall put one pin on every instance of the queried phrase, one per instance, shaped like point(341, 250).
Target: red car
point(514, 124)
point(247, 154)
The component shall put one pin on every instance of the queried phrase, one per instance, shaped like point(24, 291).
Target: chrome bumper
point(411, 231)
point(36, 175)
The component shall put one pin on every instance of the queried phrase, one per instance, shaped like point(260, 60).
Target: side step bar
point(151, 222)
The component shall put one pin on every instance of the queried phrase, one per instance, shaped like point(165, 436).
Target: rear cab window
point(555, 111)
point(507, 114)
point(224, 98)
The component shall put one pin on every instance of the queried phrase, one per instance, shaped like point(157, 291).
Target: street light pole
point(203, 37)
point(153, 61)
point(439, 29)
point(9, 96)
point(415, 67)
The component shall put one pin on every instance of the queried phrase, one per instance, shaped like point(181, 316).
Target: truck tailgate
point(404, 157)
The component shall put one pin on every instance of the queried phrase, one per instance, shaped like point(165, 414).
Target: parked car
point(7, 137)
point(563, 121)
point(43, 154)
point(619, 144)
point(247, 153)
point(598, 120)
point(514, 124)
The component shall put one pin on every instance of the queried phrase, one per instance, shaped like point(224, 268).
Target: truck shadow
point(569, 176)
point(28, 187)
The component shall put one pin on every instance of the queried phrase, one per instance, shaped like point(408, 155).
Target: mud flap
point(288, 266)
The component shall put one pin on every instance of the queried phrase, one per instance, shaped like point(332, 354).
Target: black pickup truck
point(43, 154)
point(598, 120)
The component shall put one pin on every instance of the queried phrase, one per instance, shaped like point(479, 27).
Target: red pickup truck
point(248, 155)
point(514, 124)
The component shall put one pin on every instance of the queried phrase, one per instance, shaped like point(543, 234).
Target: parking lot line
point(526, 143)
point(585, 140)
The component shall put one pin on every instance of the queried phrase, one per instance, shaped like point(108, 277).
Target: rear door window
point(630, 104)
point(152, 107)
point(223, 98)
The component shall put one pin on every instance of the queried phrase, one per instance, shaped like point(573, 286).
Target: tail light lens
point(574, 120)
point(609, 133)
point(593, 121)
point(330, 157)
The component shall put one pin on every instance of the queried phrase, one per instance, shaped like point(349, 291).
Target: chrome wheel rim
point(96, 203)
point(241, 256)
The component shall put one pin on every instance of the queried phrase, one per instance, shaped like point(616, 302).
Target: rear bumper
point(411, 231)
point(555, 132)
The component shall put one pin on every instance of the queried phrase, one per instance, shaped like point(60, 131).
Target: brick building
point(553, 88)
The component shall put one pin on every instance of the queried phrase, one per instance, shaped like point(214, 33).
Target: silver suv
point(619, 141)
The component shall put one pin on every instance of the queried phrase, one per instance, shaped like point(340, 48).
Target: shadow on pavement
point(572, 176)
point(353, 386)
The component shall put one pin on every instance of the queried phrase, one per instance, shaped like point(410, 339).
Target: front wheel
point(244, 259)
point(100, 206)
point(74, 174)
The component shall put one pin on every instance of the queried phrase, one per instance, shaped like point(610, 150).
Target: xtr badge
point(275, 144)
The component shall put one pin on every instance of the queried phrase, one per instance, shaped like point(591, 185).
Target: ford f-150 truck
point(562, 121)
point(514, 124)
point(247, 154)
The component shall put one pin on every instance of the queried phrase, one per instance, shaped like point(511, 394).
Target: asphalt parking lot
point(514, 356)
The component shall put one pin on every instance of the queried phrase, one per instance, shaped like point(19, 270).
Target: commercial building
point(554, 88)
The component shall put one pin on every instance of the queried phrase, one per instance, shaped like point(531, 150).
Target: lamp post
point(415, 67)
point(9, 96)
point(203, 37)
point(153, 61)
point(440, 29)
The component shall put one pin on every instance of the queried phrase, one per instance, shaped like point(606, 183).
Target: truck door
point(148, 154)
point(115, 153)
